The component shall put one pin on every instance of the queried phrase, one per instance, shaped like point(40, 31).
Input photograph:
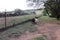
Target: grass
point(39, 38)
point(14, 20)
point(47, 19)
point(17, 19)
point(20, 29)
point(17, 31)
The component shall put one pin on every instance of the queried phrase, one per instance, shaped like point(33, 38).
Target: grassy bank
point(14, 20)
point(19, 29)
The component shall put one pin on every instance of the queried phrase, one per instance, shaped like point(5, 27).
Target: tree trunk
point(57, 17)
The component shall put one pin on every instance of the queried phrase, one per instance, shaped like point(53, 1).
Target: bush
point(44, 13)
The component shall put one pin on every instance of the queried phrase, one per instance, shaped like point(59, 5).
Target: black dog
point(35, 20)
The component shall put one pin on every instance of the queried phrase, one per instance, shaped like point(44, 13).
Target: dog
point(35, 20)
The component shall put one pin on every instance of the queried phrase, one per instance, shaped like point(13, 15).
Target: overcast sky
point(10, 5)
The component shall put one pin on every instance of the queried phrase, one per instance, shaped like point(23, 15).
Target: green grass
point(20, 29)
point(17, 31)
point(47, 19)
point(20, 19)
point(15, 20)
point(39, 38)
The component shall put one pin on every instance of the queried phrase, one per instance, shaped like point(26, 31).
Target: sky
point(10, 5)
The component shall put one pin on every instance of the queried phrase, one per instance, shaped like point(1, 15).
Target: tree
point(17, 12)
point(45, 13)
point(53, 7)
point(34, 3)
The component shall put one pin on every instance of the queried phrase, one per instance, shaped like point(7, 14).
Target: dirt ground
point(51, 30)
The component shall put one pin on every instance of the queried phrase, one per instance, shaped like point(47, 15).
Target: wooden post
point(5, 18)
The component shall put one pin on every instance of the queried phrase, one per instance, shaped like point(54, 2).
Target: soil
point(50, 30)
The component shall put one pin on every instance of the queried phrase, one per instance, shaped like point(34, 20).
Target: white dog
point(36, 21)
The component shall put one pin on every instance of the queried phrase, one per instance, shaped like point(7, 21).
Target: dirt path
point(52, 32)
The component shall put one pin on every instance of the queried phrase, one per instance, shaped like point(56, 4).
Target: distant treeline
point(16, 12)
point(9, 15)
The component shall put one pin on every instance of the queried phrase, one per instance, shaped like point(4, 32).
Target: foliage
point(44, 13)
point(34, 3)
point(53, 7)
